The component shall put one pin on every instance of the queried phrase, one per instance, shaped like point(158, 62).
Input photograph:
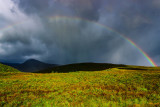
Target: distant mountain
point(6, 68)
point(81, 67)
point(31, 65)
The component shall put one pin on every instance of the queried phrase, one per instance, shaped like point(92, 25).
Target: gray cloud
point(69, 40)
point(82, 8)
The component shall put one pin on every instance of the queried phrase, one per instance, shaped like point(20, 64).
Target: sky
point(74, 31)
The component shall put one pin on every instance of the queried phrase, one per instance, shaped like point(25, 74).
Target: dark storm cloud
point(33, 6)
point(138, 20)
point(74, 43)
point(88, 9)
point(65, 40)
point(130, 16)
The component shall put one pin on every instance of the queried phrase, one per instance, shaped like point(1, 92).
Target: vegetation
point(115, 87)
point(80, 67)
point(5, 68)
point(93, 67)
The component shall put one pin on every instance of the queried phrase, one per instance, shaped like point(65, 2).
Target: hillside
point(114, 87)
point(93, 67)
point(80, 67)
point(5, 68)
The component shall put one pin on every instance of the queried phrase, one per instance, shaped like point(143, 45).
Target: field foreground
point(112, 87)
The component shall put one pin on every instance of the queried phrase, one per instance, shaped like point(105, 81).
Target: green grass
point(5, 68)
point(108, 88)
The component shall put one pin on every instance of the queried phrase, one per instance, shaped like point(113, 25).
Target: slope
point(93, 67)
point(81, 67)
point(5, 68)
point(108, 88)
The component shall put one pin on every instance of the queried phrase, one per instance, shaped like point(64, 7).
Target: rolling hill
point(92, 67)
point(80, 67)
point(116, 86)
point(5, 68)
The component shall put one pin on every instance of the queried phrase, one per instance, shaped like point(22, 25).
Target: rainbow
point(149, 59)
point(10, 26)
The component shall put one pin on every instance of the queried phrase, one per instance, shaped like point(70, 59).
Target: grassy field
point(114, 87)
